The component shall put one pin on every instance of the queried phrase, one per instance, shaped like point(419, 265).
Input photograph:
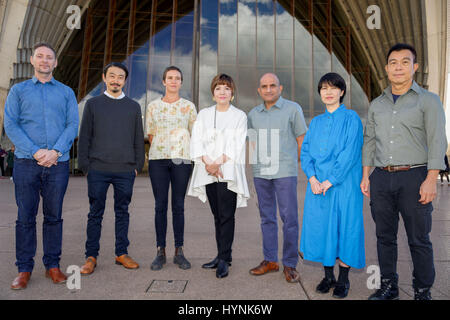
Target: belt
point(402, 167)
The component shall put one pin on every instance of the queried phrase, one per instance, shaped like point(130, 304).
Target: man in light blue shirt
point(41, 119)
point(276, 131)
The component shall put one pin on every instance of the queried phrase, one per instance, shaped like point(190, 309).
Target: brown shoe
point(264, 267)
point(88, 266)
point(127, 262)
point(21, 281)
point(291, 274)
point(56, 275)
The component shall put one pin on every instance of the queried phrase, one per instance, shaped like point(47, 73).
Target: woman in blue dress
point(333, 226)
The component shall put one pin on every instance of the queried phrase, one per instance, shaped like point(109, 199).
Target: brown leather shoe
point(127, 262)
point(21, 281)
point(291, 274)
point(88, 266)
point(264, 267)
point(56, 275)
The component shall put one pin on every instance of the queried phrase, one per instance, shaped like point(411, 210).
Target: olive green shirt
point(408, 132)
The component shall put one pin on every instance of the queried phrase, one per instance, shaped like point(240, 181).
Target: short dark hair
point(43, 44)
point(223, 79)
point(169, 69)
point(335, 80)
point(402, 46)
point(118, 65)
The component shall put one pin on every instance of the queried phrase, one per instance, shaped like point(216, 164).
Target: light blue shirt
point(275, 131)
point(41, 116)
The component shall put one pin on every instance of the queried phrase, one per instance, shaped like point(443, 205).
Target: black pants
point(391, 193)
point(165, 172)
point(223, 206)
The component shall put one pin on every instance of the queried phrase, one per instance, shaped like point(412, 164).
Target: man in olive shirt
point(405, 140)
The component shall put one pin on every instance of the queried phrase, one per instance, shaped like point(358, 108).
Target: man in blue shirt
point(278, 128)
point(41, 119)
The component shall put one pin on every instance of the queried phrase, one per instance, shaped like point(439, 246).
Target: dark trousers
point(165, 172)
point(391, 193)
point(98, 184)
point(223, 206)
point(30, 182)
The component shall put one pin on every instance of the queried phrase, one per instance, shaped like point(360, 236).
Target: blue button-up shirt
point(41, 116)
point(275, 154)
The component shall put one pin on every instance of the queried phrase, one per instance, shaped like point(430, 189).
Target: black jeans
point(223, 206)
point(391, 193)
point(165, 172)
point(98, 184)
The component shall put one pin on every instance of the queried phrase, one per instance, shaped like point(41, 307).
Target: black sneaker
point(341, 290)
point(180, 260)
point(422, 294)
point(325, 285)
point(160, 259)
point(388, 291)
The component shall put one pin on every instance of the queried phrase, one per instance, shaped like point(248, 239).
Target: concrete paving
point(110, 281)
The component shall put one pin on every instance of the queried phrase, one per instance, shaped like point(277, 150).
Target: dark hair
point(169, 69)
point(335, 80)
point(43, 44)
point(402, 46)
point(223, 79)
point(118, 65)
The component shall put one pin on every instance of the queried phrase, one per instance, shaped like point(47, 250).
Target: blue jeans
point(30, 182)
point(163, 173)
point(283, 191)
point(98, 184)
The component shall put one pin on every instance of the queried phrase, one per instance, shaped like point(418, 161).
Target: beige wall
point(12, 15)
point(436, 22)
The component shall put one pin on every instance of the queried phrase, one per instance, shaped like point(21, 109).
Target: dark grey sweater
point(111, 136)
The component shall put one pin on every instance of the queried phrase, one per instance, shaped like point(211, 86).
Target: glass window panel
point(360, 103)
point(265, 34)
point(209, 28)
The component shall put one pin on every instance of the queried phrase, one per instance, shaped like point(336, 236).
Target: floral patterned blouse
point(170, 124)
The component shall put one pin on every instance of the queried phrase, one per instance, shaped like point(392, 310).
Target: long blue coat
point(333, 224)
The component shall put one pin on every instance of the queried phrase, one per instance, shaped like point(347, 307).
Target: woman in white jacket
point(218, 151)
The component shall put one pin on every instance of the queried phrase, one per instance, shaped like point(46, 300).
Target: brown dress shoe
point(56, 275)
point(291, 274)
point(88, 266)
point(21, 281)
point(264, 267)
point(127, 262)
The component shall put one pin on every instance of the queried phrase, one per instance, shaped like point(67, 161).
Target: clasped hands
point(46, 158)
point(317, 187)
point(213, 167)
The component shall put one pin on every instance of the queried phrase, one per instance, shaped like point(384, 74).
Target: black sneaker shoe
point(341, 290)
point(325, 285)
point(160, 259)
point(422, 294)
point(180, 260)
point(388, 291)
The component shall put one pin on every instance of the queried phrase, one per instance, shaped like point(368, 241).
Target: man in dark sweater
point(111, 150)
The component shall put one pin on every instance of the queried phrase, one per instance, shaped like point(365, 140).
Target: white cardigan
point(227, 138)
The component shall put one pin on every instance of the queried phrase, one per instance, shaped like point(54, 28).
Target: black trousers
point(391, 193)
point(223, 206)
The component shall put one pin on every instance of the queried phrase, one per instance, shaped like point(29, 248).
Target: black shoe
point(422, 294)
point(341, 290)
point(180, 260)
point(160, 259)
point(325, 285)
point(222, 269)
point(213, 264)
point(388, 291)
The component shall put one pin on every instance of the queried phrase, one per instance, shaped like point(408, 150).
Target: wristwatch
point(59, 153)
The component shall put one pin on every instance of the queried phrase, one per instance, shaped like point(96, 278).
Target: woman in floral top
point(169, 121)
